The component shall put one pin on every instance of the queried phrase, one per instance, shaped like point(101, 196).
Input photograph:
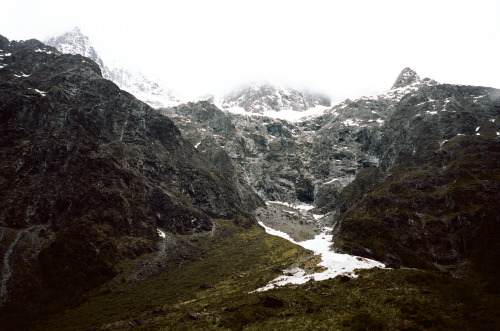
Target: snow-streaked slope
point(289, 115)
point(74, 42)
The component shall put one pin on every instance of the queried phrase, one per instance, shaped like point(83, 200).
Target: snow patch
point(304, 207)
point(290, 212)
point(38, 50)
point(335, 264)
point(161, 233)
point(351, 122)
point(331, 181)
point(285, 114)
point(42, 93)
point(21, 75)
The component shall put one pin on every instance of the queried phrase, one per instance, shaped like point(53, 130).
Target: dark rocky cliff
point(433, 201)
point(88, 173)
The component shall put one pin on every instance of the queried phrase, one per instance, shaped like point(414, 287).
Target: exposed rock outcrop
point(434, 199)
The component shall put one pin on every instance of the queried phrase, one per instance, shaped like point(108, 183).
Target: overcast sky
point(343, 48)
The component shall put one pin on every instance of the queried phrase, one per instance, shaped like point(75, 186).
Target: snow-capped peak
point(265, 99)
point(144, 88)
point(75, 42)
point(405, 78)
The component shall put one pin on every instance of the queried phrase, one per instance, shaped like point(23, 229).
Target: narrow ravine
point(334, 263)
point(7, 271)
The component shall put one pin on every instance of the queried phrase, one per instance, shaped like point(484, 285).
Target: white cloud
point(346, 49)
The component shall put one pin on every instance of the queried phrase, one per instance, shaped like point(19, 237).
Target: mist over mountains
point(74, 42)
point(253, 97)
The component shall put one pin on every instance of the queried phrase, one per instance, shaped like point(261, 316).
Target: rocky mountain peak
point(262, 97)
point(75, 42)
point(142, 87)
point(405, 78)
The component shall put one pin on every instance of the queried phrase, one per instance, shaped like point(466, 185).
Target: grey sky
point(343, 48)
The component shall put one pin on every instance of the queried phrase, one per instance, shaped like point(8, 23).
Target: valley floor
point(216, 290)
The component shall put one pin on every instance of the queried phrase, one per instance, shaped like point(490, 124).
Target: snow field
point(334, 263)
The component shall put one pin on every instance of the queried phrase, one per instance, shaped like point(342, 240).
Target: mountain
point(432, 201)
point(116, 215)
point(75, 42)
point(90, 176)
point(408, 177)
point(262, 98)
point(256, 98)
point(309, 159)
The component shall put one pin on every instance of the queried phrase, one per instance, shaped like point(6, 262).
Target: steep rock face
point(215, 137)
point(75, 42)
point(433, 200)
point(262, 149)
point(88, 173)
point(307, 160)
